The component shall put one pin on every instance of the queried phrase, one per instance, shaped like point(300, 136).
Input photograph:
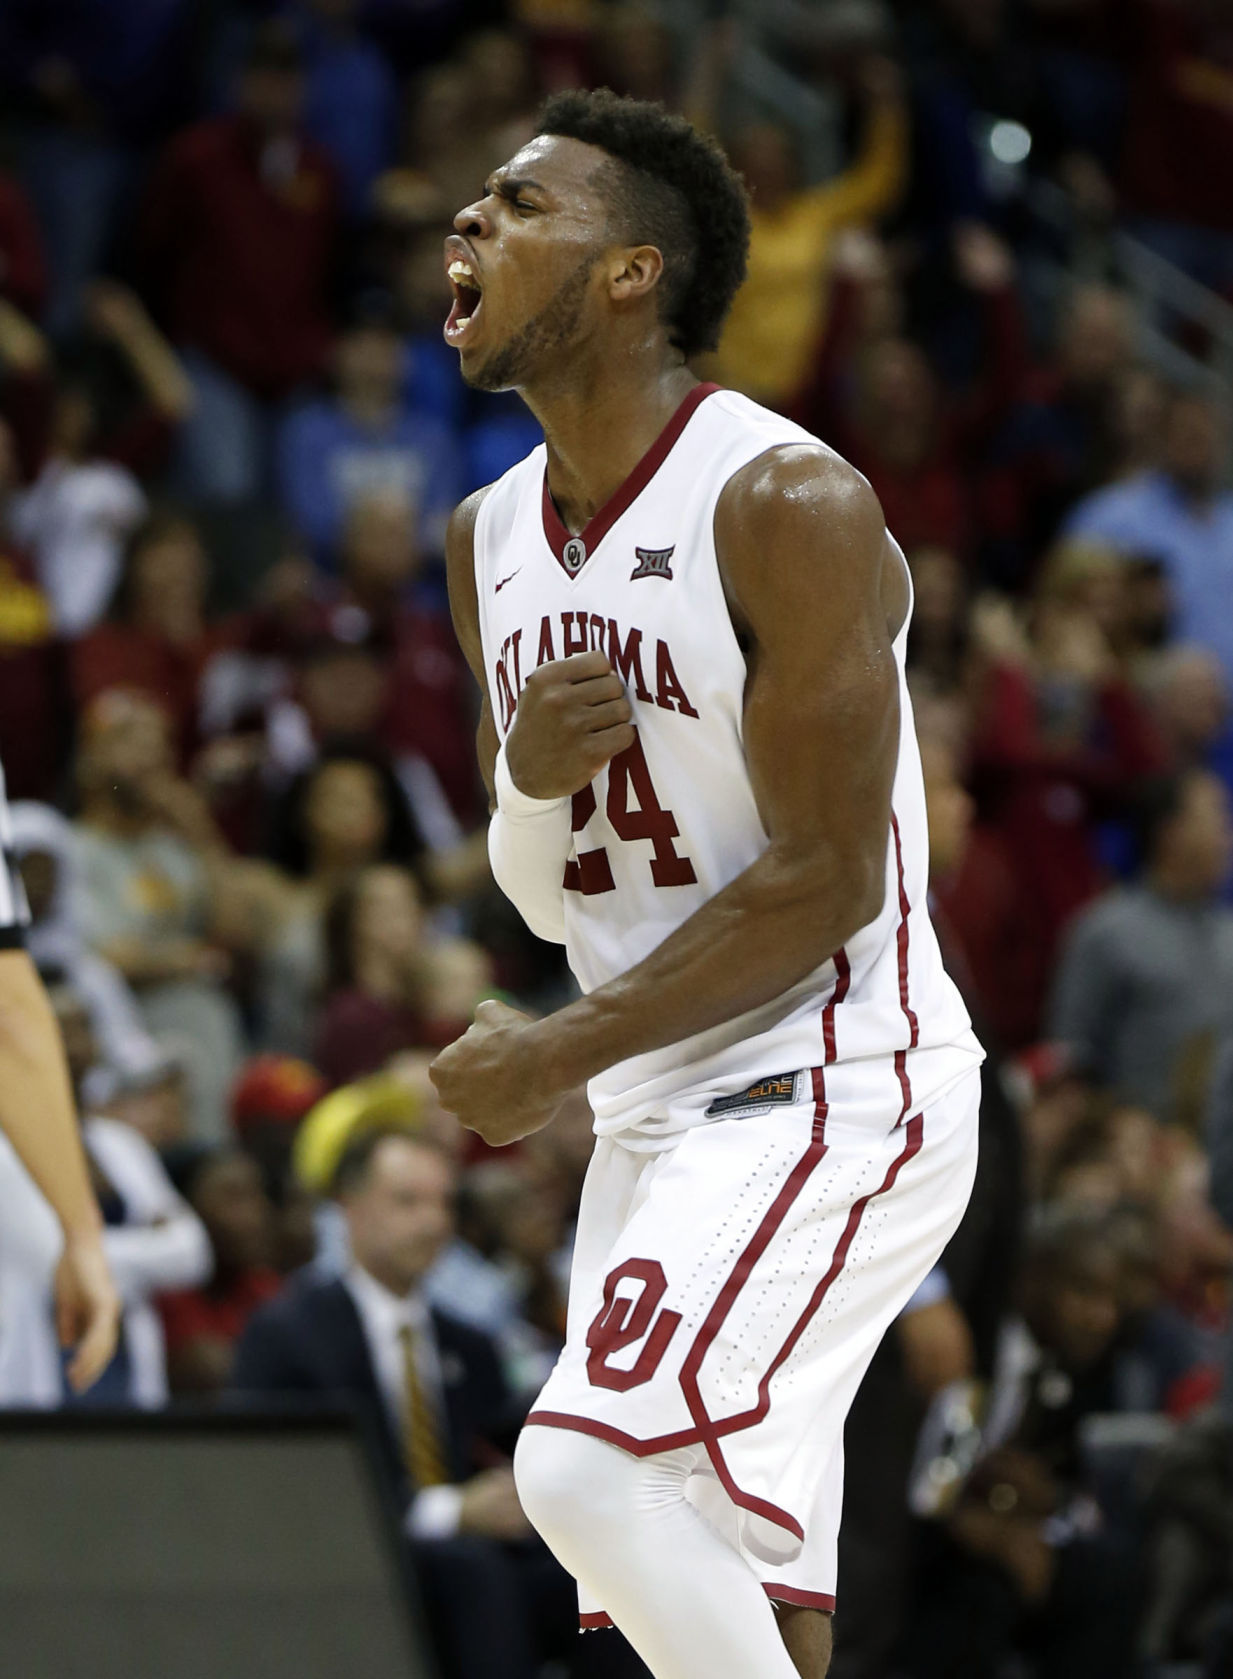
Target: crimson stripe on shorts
point(909, 1014)
point(843, 979)
point(614, 1436)
point(913, 1138)
point(799, 1599)
point(598, 1620)
point(757, 1245)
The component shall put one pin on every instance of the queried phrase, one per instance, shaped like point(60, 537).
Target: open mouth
point(468, 295)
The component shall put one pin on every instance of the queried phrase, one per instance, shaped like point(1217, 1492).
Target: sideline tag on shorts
point(778, 1091)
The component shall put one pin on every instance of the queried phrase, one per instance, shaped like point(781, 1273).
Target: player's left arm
point(813, 586)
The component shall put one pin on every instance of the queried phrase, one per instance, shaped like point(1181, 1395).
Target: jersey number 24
point(591, 873)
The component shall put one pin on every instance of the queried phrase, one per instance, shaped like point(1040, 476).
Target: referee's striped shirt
point(14, 911)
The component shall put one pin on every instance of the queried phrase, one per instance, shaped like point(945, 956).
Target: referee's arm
point(37, 1114)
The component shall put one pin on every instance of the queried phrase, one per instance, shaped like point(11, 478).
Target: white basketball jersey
point(878, 1029)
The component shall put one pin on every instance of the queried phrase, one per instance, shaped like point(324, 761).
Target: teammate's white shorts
point(728, 1294)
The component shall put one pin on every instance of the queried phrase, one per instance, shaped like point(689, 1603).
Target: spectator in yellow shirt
point(780, 310)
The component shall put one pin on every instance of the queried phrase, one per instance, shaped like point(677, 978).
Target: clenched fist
point(490, 1078)
point(572, 717)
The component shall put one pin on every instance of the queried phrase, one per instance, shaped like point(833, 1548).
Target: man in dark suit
point(438, 1404)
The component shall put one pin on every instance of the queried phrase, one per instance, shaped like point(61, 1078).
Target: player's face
point(523, 263)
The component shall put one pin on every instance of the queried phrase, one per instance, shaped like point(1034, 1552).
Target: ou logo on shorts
point(621, 1321)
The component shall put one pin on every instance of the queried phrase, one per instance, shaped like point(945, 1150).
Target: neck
point(394, 1282)
point(600, 425)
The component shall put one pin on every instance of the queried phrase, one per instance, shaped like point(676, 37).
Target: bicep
point(821, 731)
point(805, 561)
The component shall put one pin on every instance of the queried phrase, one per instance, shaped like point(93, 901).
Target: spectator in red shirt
point(392, 986)
point(269, 1099)
point(118, 396)
point(1178, 134)
point(23, 271)
point(1074, 429)
point(1061, 743)
point(429, 717)
point(34, 688)
point(238, 231)
point(202, 1325)
point(875, 395)
point(156, 640)
point(375, 1004)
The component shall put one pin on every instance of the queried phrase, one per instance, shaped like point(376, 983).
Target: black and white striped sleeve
point(14, 912)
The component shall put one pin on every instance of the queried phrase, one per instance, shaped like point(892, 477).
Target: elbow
point(857, 889)
point(864, 890)
point(842, 893)
point(197, 1261)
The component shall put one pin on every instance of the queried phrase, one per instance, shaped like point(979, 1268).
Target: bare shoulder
point(460, 573)
point(799, 516)
point(460, 532)
point(797, 488)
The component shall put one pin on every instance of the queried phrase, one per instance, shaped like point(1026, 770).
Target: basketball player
point(36, 1113)
point(689, 624)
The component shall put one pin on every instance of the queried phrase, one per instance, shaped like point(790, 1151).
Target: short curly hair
point(672, 187)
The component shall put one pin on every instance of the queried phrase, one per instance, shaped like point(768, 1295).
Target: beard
point(544, 336)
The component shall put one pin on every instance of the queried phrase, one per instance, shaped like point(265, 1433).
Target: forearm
point(147, 1258)
point(754, 940)
point(150, 964)
point(871, 187)
point(528, 845)
point(36, 1102)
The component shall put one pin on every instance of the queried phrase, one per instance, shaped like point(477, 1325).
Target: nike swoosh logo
point(506, 580)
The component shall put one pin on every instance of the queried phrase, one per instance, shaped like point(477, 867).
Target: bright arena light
point(1009, 142)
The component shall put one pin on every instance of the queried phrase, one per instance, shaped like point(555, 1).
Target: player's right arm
point(572, 716)
point(37, 1114)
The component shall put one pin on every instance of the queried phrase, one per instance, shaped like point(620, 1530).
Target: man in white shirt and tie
point(398, 1198)
point(498, 1605)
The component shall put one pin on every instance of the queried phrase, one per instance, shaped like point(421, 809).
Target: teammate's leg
point(622, 1526)
point(807, 1637)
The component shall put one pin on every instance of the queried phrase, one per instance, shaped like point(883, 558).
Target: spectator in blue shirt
point(351, 103)
point(431, 381)
point(360, 440)
point(1181, 516)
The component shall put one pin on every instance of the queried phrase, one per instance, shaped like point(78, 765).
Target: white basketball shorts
point(728, 1294)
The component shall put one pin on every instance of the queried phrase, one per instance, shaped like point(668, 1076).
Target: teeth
point(459, 270)
point(462, 321)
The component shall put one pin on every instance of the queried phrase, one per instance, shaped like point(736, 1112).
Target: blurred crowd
point(237, 731)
